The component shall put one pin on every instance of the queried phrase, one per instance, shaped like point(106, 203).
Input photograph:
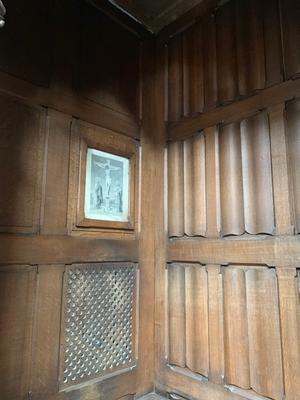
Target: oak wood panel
point(237, 368)
point(293, 132)
point(21, 147)
point(54, 219)
point(283, 211)
point(250, 46)
point(215, 324)
point(17, 285)
point(106, 53)
point(69, 103)
point(47, 330)
point(194, 186)
point(226, 53)
point(175, 80)
point(272, 39)
point(231, 181)
point(61, 249)
point(210, 63)
point(177, 318)
point(289, 285)
point(238, 110)
point(193, 62)
point(290, 14)
point(196, 311)
point(257, 175)
point(24, 53)
point(260, 250)
point(265, 357)
point(212, 182)
point(176, 189)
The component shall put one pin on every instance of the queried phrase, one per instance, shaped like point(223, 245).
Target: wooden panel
point(250, 46)
point(241, 109)
point(175, 187)
point(293, 123)
point(215, 324)
point(212, 182)
point(290, 11)
point(264, 333)
point(236, 328)
point(194, 186)
point(108, 62)
point(175, 82)
point(193, 70)
point(231, 180)
point(17, 288)
point(20, 165)
point(46, 344)
point(283, 212)
point(176, 301)
point(24, 53)
point(289, 286)
point(210, 61)
point(196, 308)
point(257, 175)
point(226, 53)
point(272, 39)
point(57, 174)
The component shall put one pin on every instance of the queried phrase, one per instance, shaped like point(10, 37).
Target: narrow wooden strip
point(215, 324)
point(176, 301)
point(257, 175)
point(226, 53)
point(236, 328)
point(274, 251)
point(283, 212)
point(56, 186)
point(212, 182)
point(210, 61)
point(290, 12)
point(47, 330)
point(175, 82)
point(250, 46)
point(199, 185)
point(293, 132)
point(240, 109)
point(196, 306)
point(231, 181)
point(189, 195)
point(289, 286)
point(175, 189)
point(264, 333)
point(61, 249)
point(272, 39)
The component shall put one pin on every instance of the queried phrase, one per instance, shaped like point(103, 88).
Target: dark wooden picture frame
point(86, 136)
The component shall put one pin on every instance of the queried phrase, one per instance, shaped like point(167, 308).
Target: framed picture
point(106, 186)
point(103, 190)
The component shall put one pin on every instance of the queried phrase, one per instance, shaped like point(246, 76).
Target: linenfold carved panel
point(99, 320)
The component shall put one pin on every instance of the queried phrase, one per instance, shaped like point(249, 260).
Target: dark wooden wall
point(229, 328)
point(67, 71)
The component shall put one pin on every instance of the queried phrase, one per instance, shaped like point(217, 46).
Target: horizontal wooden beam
point(271, 251)
point(50, 249)
point(69, 103)
point(235, 111)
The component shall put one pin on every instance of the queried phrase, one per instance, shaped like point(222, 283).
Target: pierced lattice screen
point(99, 320)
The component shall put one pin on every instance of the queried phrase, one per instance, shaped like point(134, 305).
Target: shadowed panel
point(264, 333)
point(176, 301)
point(257, 175)
point(210, 61)
point(175, 83)
point(236, 328)
point(176, 189)
point(226, 53)
point(196, 307)
point(231, 180)
point(293, 123)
